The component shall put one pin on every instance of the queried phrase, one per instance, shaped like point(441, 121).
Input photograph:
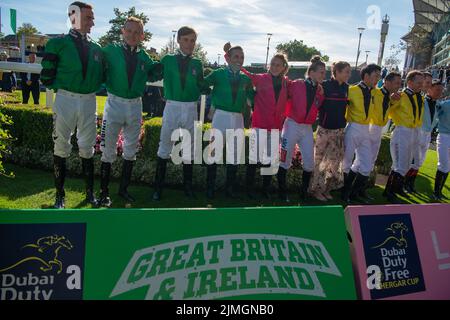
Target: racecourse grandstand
point(428, 42)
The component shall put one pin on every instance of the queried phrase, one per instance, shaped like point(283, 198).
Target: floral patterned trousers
point(328, 155)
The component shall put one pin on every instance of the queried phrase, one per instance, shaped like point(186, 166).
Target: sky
point(329, 25)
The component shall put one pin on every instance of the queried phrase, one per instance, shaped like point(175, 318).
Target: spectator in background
point(435, 73)
point(442, 74)
point(30, 83)
point(384, 73)
point(447, 78)
point(7, 79)
point(152, 102)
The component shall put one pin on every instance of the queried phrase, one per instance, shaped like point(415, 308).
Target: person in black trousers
point(30, 83)
point(7, 79)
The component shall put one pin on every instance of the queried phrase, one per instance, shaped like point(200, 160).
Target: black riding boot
point(444, 179)
point(282, 184)
point(211, 174)
point(267, 182)
point(363, 193)
point(88, 172)
point(105, 172)
point(230, 183)
point(389, 190)
point(188, 170)
point(250, 175)
point(412, 182)
point(306, 178)
point(400, 185)
point(358, 185)
point(439, 183)
point(127, 168)
point(160, 176)
point(59, 173)
point(407, 180)
point(348, 184)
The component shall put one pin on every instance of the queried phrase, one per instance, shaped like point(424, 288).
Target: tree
point(393, 59)
point(298, 51)
point(167, 48)
point(199, 51)
point(27, 29)
point(1, 35)
point(115, 32)
point(154, 55)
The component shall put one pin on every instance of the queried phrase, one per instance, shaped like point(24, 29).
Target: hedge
point(33, 147)
point(384, 161)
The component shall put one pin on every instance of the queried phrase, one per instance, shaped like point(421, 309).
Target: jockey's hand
point(396, 96)
point(320, 89)
point(211, 112)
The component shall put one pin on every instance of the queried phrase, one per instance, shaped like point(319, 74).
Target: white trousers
point(295, 133)
point(443, 149)
point(121, 114)
point(401, 149)
point(223, 121)
point(421, 143)
point(176, 115)
point(70, 111)
point(264, 151)
point(357, 140)
point(375, 133)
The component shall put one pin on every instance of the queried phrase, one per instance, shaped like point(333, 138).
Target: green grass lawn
point(34, 189)
point(43, 101)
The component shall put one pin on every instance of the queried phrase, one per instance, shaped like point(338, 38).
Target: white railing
point(36, 68)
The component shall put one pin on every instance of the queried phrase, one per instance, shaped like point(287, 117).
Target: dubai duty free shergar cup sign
point(401, 251)
point(257, 253)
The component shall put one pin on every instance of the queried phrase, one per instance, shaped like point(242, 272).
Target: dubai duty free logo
point(228, 266)
point(392, 257)
point(41, 261)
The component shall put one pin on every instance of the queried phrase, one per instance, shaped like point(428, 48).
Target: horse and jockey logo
point(396, 236)
point(391, 254)
point(45, 251)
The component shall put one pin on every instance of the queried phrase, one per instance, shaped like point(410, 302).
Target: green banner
point(13, 19)
point(239, 253)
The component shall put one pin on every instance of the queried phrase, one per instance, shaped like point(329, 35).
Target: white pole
point(20, 67)
point(22, 44)
point(49, 98)
point(202, 108)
